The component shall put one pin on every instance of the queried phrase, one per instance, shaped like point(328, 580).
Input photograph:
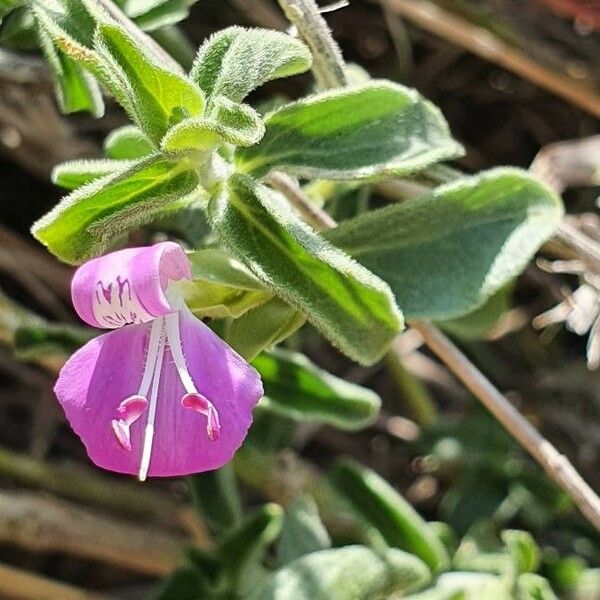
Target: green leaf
point(18, 30)
point(380, 128)
point(75, 173)
point(297, 388)
point(474, 586)
point(263, 327)
point(66, 29)
point(347, 573)
point(445, 253)
point(217, 498)
point(7, 6)
point(237, 124)
point(354, 309)
point(127, 143)
point(437, 594)
point(523, 550)
point(534, 587)
point(88, 221)
point(244, 549)
point(73, 19)
point(221, 286)
point(166, 13)
point(186, 583)
point(478, 323)
point(76, 90)
point(159, 98)
point(379, 505)
point(303, 531)
point(57, 341)
point(235, 61)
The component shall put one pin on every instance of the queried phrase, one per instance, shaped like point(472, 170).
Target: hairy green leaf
point(480, 322)
point(523, 550)
point(76, 89)
point(303, 531)
point(235, 61)
point(237, 124)
point(221, 286)
point(75, 173)
point(166, 13)
point(127, 143)
point(445, 253)
point(263, 327)
point(89, 220)
point(159, 98)
point(353, 308)
point(378, 128)
point(347, 573)
point(297, 388)
point(243, 549)
point(534, 587)
point(381, 506)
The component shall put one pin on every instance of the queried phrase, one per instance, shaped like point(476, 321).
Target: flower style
point(162, 395)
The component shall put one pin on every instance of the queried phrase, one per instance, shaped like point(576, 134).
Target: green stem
point(328, 66)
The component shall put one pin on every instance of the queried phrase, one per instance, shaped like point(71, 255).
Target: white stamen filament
point(172, 327)
point(153, 344)
point(149, 430)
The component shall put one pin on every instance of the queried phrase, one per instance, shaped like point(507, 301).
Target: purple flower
point(162, 395)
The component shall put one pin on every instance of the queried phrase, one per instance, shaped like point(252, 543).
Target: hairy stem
point(328, 65)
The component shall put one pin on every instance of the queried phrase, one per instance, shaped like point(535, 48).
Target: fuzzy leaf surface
point(159, 97)
point(230, 122)
point(445, 253)
point(75, 173)
point(378, 503)
point(297, 388)
point(127, 143)
point(235, 61)
point(349, 305)
point(379, 128)
point(85, 223)
point(345, 573)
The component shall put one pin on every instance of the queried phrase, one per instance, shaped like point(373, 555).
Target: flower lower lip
point(164, 333)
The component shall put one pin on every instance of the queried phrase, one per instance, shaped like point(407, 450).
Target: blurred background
point(513, 78)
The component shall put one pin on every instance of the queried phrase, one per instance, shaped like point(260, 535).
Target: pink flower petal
point(128, 286)
point(94, 382)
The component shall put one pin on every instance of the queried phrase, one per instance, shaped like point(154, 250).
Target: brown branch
point(92, 488)
point(481, 42)
point(41, 524)
point(556, 465)
point(311, 213)
point(22, 585)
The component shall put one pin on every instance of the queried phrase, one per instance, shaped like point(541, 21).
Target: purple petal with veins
point(128, 286)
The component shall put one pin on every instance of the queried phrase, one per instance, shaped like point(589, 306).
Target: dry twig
point(49, 525)
point(481, 42)
point(22, 585)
